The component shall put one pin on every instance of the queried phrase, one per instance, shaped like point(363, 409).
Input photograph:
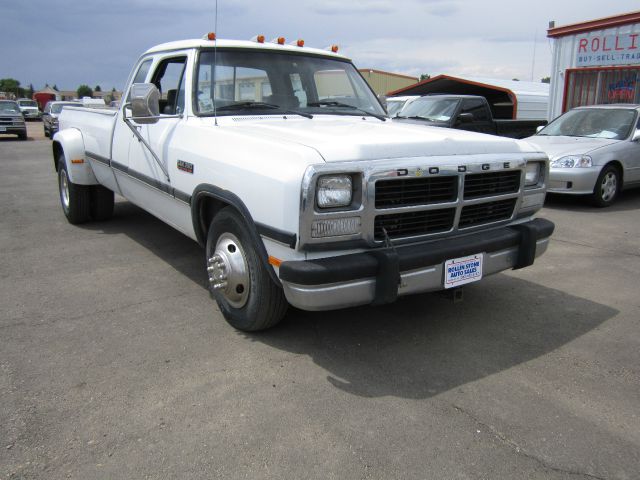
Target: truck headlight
point(573, 161)
point(334, 191)
point(532, 173)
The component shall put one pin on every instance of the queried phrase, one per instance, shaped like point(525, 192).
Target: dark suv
point(11, 119)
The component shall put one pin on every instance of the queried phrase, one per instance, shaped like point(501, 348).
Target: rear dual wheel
point(81, 203)
point(238, 280)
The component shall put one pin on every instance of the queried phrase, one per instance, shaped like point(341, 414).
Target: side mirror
point(145, 103)
point(636, 135)
point(539, 127)
point(465, 118)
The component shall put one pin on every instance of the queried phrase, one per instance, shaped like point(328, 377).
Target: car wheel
point(101, 203)
point(238, 280)
point(607, 187)
point(22, 136)
point(46, 132)
point(75, 199)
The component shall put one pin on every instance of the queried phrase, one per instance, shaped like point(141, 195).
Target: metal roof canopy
point(507, 98)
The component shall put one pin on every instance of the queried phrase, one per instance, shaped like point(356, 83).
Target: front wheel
point(75, 199)
point(238, 280)
point(607, 187)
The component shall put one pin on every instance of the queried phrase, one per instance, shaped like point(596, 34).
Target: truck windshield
point(250, 81)
point(27, 103)
point(430, 108)
point(610, 123)
point(9, 107)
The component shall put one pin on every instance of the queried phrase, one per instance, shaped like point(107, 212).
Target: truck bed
point(96, 125)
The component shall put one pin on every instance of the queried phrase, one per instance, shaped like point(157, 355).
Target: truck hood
point(352, 138)
point(560, 146)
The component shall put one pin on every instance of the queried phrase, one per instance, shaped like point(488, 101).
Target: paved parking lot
point(115, 363)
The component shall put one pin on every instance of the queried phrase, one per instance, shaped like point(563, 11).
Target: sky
point(69, 42)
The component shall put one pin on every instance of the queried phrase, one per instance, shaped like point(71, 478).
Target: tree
point(84, 91)
point(516, 79)
point(11, 85)
point(546, 80)
point(55, 87)
point(425, 76)
point(30, 91)
point(97, 89)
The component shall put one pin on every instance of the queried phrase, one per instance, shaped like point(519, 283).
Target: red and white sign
point(619, 49)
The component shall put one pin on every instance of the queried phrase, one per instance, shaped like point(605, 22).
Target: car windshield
point(9, 107)
point(27, 103)
point(613, 123)
point(247, 80)
point(57, 107)
point(431, 108)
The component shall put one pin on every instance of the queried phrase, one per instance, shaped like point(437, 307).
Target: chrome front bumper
point(378, 277)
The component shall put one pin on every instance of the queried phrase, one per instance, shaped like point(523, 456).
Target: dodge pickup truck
point(280, 161)
point(464, 112)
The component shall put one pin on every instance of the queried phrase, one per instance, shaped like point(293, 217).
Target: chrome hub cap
point(64, 189)
point(609, 186)
point(228, 271)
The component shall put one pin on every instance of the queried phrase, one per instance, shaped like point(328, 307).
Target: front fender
point(69, 142)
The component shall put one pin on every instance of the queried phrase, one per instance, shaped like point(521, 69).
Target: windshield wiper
point(261, 106)
point(417, 117)
point(331, 103)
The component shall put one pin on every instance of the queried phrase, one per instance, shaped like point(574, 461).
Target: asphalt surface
point(116, 364)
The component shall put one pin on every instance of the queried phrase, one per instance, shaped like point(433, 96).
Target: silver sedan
point(593, 151)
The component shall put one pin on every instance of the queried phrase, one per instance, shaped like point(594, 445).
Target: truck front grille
point(410, 224)
point(404, 192)
point(479, 185)
point(489, 212)
point(416, 201)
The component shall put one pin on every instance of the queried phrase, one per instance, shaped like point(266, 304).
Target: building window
point(602, 86)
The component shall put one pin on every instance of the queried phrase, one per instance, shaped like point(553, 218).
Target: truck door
point(482, 121)
point(148, 182)
point(122, 135)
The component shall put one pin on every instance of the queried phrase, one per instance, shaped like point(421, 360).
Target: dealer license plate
point(459, 271)
point(3, 129)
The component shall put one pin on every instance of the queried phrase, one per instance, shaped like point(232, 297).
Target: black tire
point(249, 300)
point(46, 132)
point(22, 136)
point(75, 199)
point(607, 187)
point(101, 203)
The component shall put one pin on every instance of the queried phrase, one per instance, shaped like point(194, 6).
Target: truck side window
point(168, 78)
point(477, 108)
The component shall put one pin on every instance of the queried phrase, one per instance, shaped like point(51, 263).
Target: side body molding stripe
point(152, 182)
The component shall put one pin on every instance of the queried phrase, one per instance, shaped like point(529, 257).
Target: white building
point(595, 62)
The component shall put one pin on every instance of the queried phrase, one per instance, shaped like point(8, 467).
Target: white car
point(29, 108)
point(396, 104)
point(593, 151)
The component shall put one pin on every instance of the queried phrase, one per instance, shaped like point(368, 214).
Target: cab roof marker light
point(278, 40)
point(298, 43)
point(332, 48)
point(210, 36)
point(258, 39)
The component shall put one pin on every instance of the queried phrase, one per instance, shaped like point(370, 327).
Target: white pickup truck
point(280, 161)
